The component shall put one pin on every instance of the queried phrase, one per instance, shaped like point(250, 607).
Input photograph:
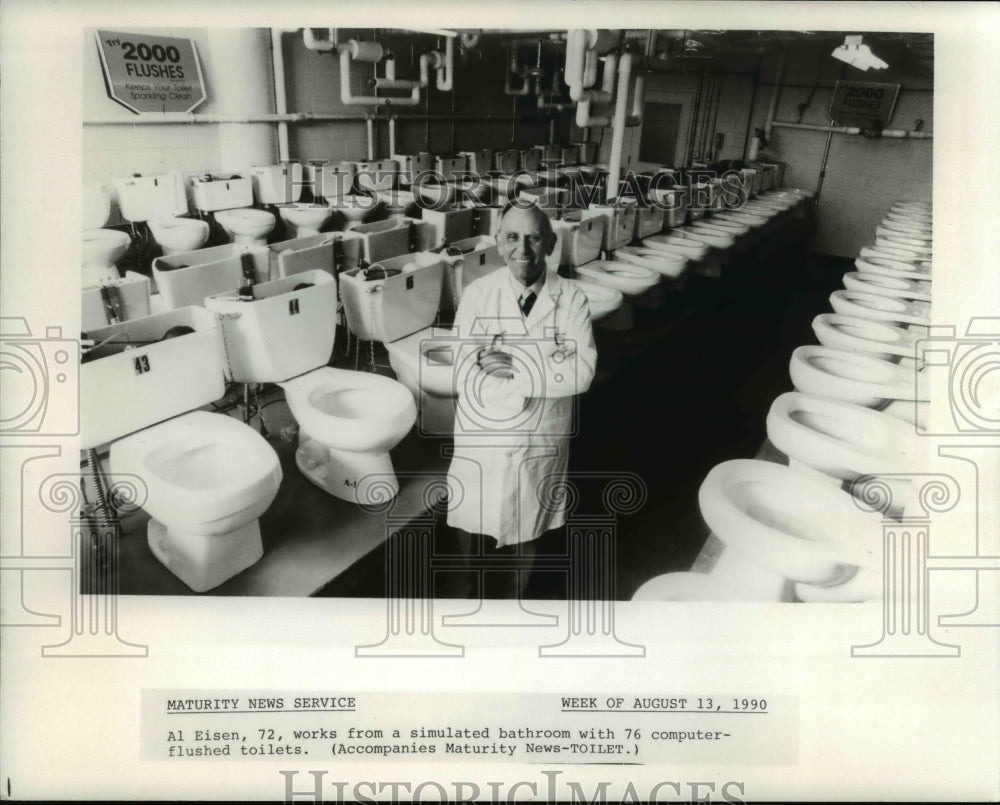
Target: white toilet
point(424, 362)
point(230, 201)
point(667, 263)
point(160, 201)
point(102, 248)
point(631, 280)
point(602, 300)
point(880, 308)
point(304, 218)
point(781, 526)
point(348, 421)
point(208, 477)
point(864, 335)
point(843, 442)
point(892, 268)
point(890, 286)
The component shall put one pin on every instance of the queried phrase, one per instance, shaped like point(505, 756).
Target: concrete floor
point(695, 393)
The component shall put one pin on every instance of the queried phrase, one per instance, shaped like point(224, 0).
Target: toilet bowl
point(631, 280)
point(893, 257)
point(304, 218)
point(424, 362)
point(209, 478)
point(780, 525)
point(843, 441)
point(861, 379)
point(910, 219)
point(102, 248)
point(602, 300)
point(177, 235)
point(864, 335)
point(890, 268)
point(348, 421)
point(879, 308)
point(245, 225)
point(709, 238)
point(718, 221)
point(893, 248)
point(746, 219)
point(354, 209)
point(910, 290)
point(666, 263)
point(907, 228)
point(673, 244)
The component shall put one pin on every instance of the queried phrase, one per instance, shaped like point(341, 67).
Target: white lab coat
point(512, 435)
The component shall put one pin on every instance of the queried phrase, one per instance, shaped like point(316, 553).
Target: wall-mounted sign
point(862, 103)
point(151, 73)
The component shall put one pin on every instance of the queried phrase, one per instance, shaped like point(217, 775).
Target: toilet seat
point(877, 307)
point(678, 245)
point(721, 241)
point(768, 513)
point(855, 377)
point(895, 249)
point(841, 439)
point(357, 411)
point(890, 268)
point(864, 335)
point(723, 224)
point(907, 228)
point(200, 468)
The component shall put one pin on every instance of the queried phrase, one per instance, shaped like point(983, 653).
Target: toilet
point(865, 335)
point(889, 268)
point(102, 248)
point(908, 290)
point(582, 234)
point(466, 261)
point(842, 442)
point(187, 278)
point(424, 362)
point(781, 526)
point(666, 263)
point(207, 476)
point(160, 201)
point(304, 218)
point(877, 307)
point(602, 300)
point(229, 201)
point(348, 420)
point(631, 280)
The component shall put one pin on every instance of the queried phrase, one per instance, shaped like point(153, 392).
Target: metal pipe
point(753, 100)
point(291, 117)
point(854, 130)
point(772, 107)
point(370, 132)
point(692, 128)
point(822, 169)
point(715, 119)
point(618, 129)
point(280, 99)
point(392, 135)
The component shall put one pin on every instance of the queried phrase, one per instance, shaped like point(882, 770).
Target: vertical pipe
point(715, 119)
point(392, 135)
point(280, 99)
point(618, 125)
point(753, 100)
point(370, 128)
point(772, 107)
point(822, 168)
point(692, 128)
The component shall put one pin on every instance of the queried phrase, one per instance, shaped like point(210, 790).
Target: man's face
point(524, 241)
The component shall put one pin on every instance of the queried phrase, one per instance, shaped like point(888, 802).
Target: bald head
point(524, 239)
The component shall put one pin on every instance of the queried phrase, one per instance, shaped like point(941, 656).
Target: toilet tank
point(389, 308)
point(98, 305)
point(375, 175)
point(277, 184)
point(449, 166)
point(141, 198)
point(582, 236)
point(331, 179)
point(186, 278)
point(332, 252)
point(412, 165)
point(384, 239)
point(508, 161)
point(465, 262)
point(479, 162)
point(286, 330)
point(145, 372)
point(221, 193)
point(619, 226)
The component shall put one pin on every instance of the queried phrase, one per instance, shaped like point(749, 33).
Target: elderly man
point(528, 350)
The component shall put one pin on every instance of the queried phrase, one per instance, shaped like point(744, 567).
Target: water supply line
point(897, 134)
point(772, 107)
point(392, 135)
point(372, 53)
point(312, 42)
point(370, 131)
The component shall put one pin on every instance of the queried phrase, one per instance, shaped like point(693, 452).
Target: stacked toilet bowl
point(161, 202)
point(795, 533)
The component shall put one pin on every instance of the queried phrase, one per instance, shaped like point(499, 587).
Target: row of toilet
point(795, 532)
point(246, 207)
point(254, 313)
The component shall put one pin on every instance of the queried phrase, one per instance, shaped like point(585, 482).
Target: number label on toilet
point(141, 364)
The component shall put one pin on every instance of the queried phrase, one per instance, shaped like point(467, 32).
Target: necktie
point(527, 303)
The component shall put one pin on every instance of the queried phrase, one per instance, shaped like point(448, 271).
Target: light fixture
point(857, 54)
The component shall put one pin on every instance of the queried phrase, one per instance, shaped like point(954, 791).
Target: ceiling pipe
point(896, 134)
point(514, 68)
point(371, 53)
point(618, 129)
point(313, 42)
point(446, 73)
